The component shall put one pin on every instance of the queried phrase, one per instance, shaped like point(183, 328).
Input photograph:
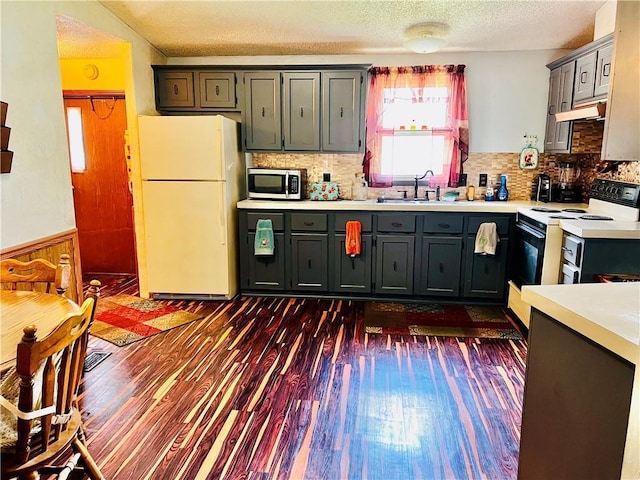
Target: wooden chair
point(18, 275)
point(46, 415)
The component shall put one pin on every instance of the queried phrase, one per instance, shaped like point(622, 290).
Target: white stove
point(610, 201)
point(545, 233)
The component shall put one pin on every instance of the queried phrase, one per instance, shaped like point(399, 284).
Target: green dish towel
point(264, 244)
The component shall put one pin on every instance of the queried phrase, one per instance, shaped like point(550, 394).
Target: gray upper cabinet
point(342, 121)
point(217, 89)
point(301, 110)
point(603, 71)
point(262, 114)
point(174, 89)
point(558, 134)
point(592, 75)
point(585, 77)
point(578, 78)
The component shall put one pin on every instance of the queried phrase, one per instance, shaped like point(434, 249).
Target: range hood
point(586, 111)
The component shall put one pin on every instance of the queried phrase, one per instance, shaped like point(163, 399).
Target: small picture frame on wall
point(529, 158)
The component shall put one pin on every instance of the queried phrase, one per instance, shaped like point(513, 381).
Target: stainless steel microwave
point(276, 183)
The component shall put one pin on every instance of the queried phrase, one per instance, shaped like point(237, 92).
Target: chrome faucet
point(416, 180)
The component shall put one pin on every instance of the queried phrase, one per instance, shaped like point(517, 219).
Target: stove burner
point(594, 217)
point(574, 210)
point(545, 210)
point(561, 217)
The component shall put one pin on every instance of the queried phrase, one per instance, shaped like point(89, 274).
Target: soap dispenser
point(503, 193)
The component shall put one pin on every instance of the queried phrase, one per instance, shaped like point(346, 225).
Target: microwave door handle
point(286, 185)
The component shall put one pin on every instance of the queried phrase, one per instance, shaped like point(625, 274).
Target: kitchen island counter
point(607, 314)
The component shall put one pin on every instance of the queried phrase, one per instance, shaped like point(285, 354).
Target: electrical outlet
point(483, 180)
point(463, 180)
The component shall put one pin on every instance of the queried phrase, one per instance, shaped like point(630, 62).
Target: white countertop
point(607, 313)
point(372, 205)
point(601, 229)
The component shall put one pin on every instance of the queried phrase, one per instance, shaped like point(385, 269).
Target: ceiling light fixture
point(425, 37)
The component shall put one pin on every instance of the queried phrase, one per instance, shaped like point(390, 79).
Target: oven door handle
point(530, 231)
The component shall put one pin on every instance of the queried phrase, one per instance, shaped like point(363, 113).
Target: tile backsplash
point(587, 137)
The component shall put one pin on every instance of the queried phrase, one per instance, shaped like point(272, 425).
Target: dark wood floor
point(266, 388)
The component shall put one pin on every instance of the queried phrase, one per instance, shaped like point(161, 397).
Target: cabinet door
point(394, 264)
point(552, 109)
point(301, 107)
point(440, 265)
point(562, 141)
point(585, 77)
point(485, 275)
point(309, 262)
point(558, 134)
point(266, 272)
point(341, 111)
point(262, 115)
point(603, 72)
point(352, 274)
point(217, 89)
point(174, 89)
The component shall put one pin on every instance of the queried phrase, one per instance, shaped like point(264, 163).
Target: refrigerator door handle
point(220, 153)
point(222, 210)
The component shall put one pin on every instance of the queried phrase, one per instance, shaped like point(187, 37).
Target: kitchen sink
point(402, 200)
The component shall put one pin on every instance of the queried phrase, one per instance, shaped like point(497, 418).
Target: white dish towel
point(486, 239)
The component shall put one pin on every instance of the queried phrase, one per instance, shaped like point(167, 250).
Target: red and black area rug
point(438, 320)
point(124, 319)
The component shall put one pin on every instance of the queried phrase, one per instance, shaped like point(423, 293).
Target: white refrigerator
point(193, 174)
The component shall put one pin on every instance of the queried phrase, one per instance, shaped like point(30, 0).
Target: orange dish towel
point(353, 243)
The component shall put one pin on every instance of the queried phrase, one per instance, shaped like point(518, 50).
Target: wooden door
point(102, 200)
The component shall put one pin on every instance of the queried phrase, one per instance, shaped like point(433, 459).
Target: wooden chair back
point(18, 275)
point(50, 370)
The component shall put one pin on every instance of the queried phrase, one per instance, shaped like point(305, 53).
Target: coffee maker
point(541, 189)
point(568, 190)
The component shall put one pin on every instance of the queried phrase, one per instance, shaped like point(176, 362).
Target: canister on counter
point(471, 191)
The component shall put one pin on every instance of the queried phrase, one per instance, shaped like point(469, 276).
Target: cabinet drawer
point(502, 224)
point(572, 250)
point(277, 220)
point(343, 218)
point(397, 223)
point(309, 222)
point(437, 223)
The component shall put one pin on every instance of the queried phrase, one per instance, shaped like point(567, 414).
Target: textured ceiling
point(310, 27)
point(77, 40)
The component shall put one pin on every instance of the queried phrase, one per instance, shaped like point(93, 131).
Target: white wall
point(507, 91)
point(36, 197)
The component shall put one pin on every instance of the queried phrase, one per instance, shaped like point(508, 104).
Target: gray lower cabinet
point(309, 263)
point(428, 255)
point(440, 266)
point(394, 264)
point(485, 275)
point(266, 272)
point(352, 274)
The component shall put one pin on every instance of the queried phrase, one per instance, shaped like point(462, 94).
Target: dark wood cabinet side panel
point(576, 405)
